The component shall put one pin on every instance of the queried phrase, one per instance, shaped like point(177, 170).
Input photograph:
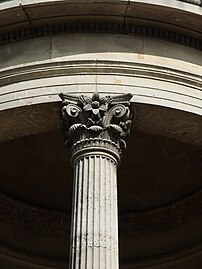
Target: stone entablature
point(180, 89)
point(131, 51)
point(178, 76)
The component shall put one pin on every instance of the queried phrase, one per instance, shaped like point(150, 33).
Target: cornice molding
point(47, 69)
point(99, 27)
point(76, 67)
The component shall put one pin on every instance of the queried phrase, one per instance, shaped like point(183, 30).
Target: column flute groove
point(95, 129)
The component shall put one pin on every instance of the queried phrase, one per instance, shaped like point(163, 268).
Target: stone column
point(95, 129)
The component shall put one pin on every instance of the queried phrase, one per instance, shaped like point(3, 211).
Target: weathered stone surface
point(95, 129)
point(94, 242)
point(148, 47)
point(97, 124)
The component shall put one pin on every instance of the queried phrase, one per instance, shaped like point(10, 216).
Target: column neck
point(96, 147)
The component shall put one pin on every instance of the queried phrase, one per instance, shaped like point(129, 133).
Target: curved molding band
point(21, 259)
point(35, 218)
point(48, 68)
point(194, 2)
point(98, 27)
point(179, 258)
point(173, 88)
point(56, 223)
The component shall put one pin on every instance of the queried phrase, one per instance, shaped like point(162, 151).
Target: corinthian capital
point(97, 122)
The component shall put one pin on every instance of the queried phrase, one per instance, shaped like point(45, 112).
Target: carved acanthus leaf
point(105, 117)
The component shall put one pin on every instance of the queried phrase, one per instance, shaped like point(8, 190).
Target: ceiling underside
point(159, 187)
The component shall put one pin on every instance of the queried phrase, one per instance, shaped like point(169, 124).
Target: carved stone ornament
point(97, 122)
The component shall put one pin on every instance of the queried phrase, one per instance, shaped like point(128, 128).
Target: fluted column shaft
point(95, 131)
point(94, 235)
